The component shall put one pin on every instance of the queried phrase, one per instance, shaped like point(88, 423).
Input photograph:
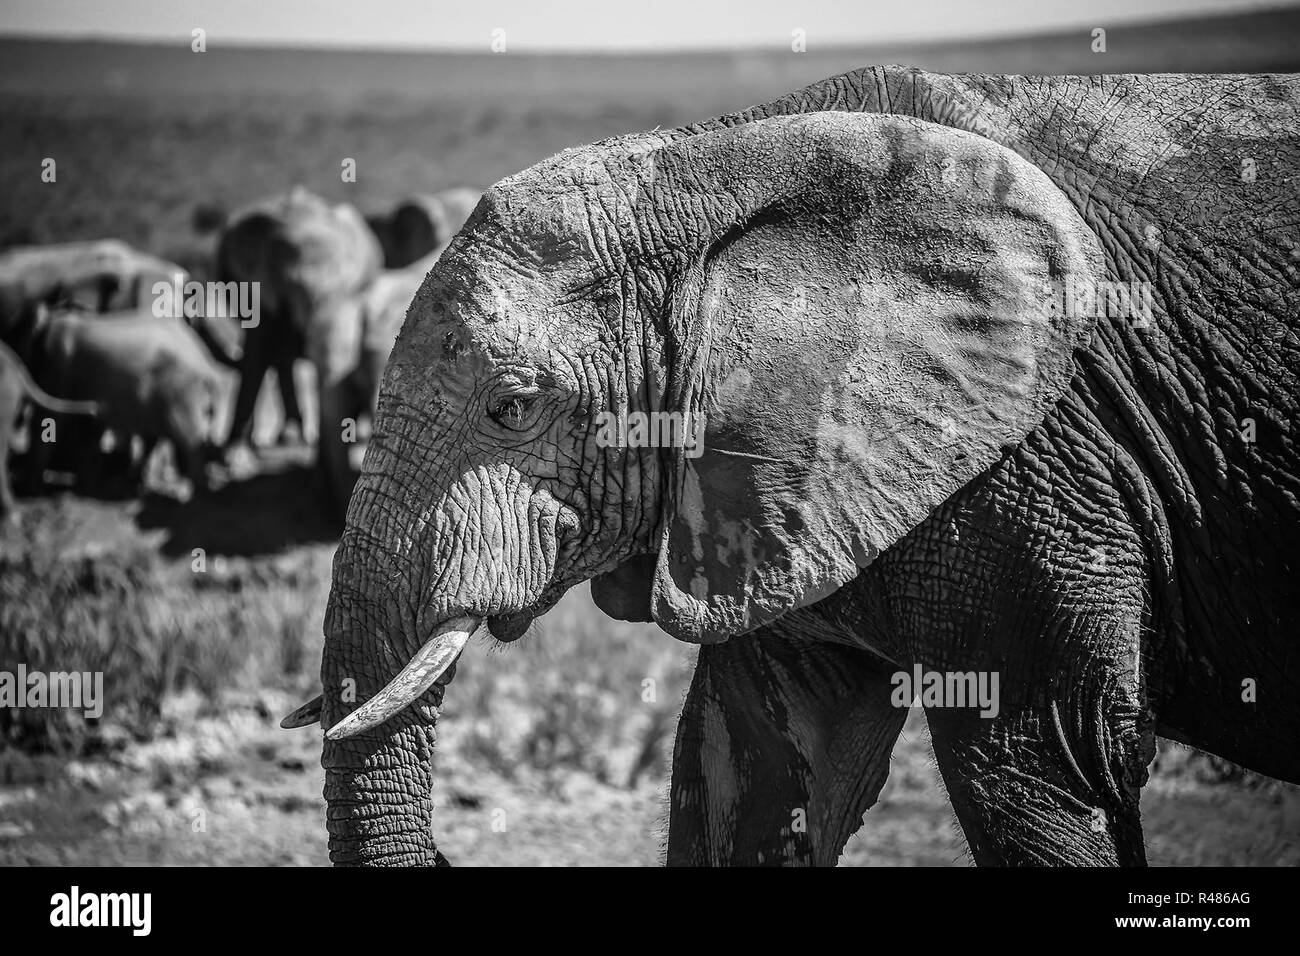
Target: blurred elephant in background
point(926, 451)
point(16, 386)
point(311, 260)
point(150, 377)
point(101, 275)
point(417, 226)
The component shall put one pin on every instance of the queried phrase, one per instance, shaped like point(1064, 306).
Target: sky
point(581, 24)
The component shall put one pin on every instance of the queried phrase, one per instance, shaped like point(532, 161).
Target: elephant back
point(97, 275)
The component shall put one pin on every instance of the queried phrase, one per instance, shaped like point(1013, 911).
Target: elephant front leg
point(291, 429)
point(253, 368)
point(1054, 783)
point(783, 745)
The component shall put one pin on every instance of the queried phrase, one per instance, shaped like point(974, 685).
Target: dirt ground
point(232, 789)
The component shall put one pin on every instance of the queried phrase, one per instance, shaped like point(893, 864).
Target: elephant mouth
point(510, 627)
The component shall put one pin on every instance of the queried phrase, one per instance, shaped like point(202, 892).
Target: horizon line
point(326, 46)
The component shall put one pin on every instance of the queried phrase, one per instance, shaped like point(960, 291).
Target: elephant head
point(851, 306)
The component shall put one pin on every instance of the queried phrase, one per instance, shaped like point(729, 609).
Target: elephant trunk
point(382, 677)
point(379, 805)
point(378, 773)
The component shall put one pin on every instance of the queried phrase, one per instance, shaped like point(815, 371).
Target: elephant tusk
point(429, 663)
point(304, 716)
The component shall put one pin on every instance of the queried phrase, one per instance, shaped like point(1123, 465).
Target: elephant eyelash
point(514, 411)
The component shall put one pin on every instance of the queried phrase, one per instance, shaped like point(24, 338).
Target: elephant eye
point(513, 411)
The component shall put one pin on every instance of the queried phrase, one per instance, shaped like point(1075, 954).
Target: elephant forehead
point(537, 232)
point(478, 289)
point(578, 204)
point(478, 332)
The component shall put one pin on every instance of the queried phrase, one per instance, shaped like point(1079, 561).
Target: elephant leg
point(783, 745)
point(1056, 784)
point(1039, 576)
point(286, 354)
point(254, 365)
point(190, 461)
point(1051, 773)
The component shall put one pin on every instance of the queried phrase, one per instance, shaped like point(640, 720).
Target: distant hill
point(1256, 42)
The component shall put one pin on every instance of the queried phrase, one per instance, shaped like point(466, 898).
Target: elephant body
point(311, 259)
point(151, 377)
point(926, 447)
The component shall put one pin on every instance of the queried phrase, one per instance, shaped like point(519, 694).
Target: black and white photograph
point(695, 434)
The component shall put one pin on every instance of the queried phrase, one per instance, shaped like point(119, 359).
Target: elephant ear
point(867, 326)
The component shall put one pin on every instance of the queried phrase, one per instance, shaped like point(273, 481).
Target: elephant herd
point(117, 350)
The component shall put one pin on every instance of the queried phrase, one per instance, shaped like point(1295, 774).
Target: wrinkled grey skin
point(908, 458)
point(150, 376)
point(311, 259)
point(417, 226)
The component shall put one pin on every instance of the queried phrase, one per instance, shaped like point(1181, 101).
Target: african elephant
point(150, 376)
point(310, 259)
point(923, 450)
point(101, 275)
point(16, 385)
point(424, 222)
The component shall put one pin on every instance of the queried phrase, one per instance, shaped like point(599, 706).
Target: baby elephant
point(151, 375)
point(16, 385)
